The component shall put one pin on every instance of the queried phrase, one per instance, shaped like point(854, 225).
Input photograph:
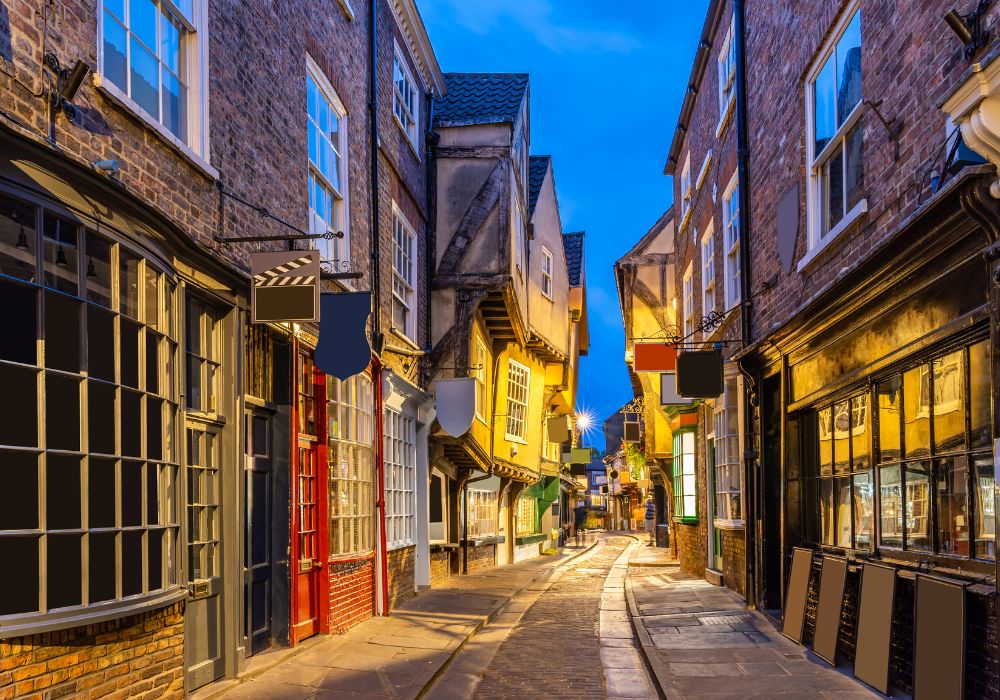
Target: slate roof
point(573, 245)
point(537, 167)
point(480, 98)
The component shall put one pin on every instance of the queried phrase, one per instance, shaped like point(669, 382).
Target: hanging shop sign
point(579, 455)
point(455, 403)
point(632, 431)
point(655, 357)
point(699, 374)
point(285, 286)
point(558, 427)
point(668, 391)
point(343, 349)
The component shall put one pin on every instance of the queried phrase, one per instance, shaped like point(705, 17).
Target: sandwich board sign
point(285, 286)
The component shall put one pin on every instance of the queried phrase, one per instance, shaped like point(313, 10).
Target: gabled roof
point(481, 98)
point(538, 166)
point(573, 245)
point(647, 237)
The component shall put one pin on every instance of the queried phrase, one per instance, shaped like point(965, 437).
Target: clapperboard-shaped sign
point(285, 286)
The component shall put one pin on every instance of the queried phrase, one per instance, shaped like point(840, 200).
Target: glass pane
point(889, 409)
point(826, 511)
point(129, 353)
point(841, 437)
point(101, 417)
point(62, 492)
point(980, 395)
point(131, 562)
point(854, 152)
point(17, 240)
point(19, 341)
point(62, 332)
point(174, 114)
point(953, 506)
point(193, 328)
point(152, 292)
point(59, 255)
point(142, 21)
point(152, 362)
point(918, 488)
point(153, 495)
point(860, 459)
point(863, 510)
point(64, 571)
point(103, 567)
point(131, 494)
point(986, 514)
point(101, 493)
point(62, 412)
point(98, 269)
point(115, 51)
point(916, 411)
point(170, 43)
point(949, 402)
point(131, 423)
point(154, 541)
point(833, 182)
point(824, 106)
point(100, 343)
point(19, 427)
point(849, 69)
point(19, 505)
point(891, 491)
point(19, 594)
point(842, 493)
point(154, 428)
point(128, 279)
point(826, 441)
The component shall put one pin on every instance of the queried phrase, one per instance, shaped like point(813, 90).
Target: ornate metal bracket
point(637, 406)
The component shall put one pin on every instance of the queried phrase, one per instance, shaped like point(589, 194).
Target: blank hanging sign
point(939, 639)
point(832, 577)
point(655, 357)
point(668, 391)
point(878, 596)
point(794, 618)
point(699, 374)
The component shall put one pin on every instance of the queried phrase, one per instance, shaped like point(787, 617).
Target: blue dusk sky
point(607, 82)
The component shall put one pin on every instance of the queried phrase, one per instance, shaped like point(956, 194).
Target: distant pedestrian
point(651, 521)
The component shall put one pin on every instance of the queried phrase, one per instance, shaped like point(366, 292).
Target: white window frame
point(518, 391)
point(817, 237)
point(547, 267)
point(708, 270)
point(483, 364)
point(339, 249)
point(687, 300)
point(726, 63)
point(400, 464)
point(404, 281)
point(686, 191)
point(731, 241)
point(727, 453)
point(193, 64)
point(482, 504)
point(409, 122)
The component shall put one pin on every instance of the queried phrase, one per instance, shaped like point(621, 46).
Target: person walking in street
point(651, 521)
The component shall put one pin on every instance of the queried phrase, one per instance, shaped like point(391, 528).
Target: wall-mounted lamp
point(68, 82)
point(968, 28)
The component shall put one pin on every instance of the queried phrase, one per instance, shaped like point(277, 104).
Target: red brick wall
point(691, 552)
point(482, 557)
point(401, 574)
point(734, 559)
point(352, 592)
point(140, 656)
point(440, 568)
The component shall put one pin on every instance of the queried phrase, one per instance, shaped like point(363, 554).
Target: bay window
point(728, 474)
point(844, 475)
point(400, 478)
point(834, 143)
point(350, 465)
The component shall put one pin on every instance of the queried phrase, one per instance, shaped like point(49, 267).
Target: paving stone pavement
point(387, 657)
point(703, 644)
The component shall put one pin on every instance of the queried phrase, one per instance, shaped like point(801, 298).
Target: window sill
point(406, 136)
point(726, 116)
point(530, 539)
point(127, 103)
point(444, 546)
point(37, 623)
point(685, 220)
point(345, 5)
point(515, 439)
point(686, 519)
point(485, 540)
point(401, 335)
point(729, 524)
point(817, 252)
point(402, 544)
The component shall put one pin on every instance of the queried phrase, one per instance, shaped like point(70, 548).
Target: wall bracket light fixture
point(969, 28)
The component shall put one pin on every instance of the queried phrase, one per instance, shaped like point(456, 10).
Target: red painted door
point(308, 531)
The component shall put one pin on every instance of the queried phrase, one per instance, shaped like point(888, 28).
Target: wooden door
point(257, 528)
point(307, 565)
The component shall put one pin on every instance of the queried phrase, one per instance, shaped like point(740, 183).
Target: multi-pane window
point(727, 72)
point(708, 271)
point(88, 485)
point(834, 142)
point(405, 96)
point(482, 365)
point(686, 192)
point(145, 47)
point(546, 272)
point(404, 275)
point(527, 519)
point(203, 501)
point(517, 400)
point(202, 354)
point(482, 513)
point(350, 465)
point(400, 478)
point(935, 458)
point(728, 478)
point(731, 241)
point(684, 478)
point(327, 128)
point(305, 405)
point(843, 477)
point(687, 301)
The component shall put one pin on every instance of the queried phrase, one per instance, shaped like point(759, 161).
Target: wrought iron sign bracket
point(263, 211)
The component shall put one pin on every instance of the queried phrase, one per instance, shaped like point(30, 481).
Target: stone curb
point(653, 662)
point(496, 610)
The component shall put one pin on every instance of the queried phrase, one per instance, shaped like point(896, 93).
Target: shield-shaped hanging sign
point(455, 402)
point(343, 349)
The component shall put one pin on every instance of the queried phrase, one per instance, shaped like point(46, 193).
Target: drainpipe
point(746, 305)
point(430, 254)
point(376, 255)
